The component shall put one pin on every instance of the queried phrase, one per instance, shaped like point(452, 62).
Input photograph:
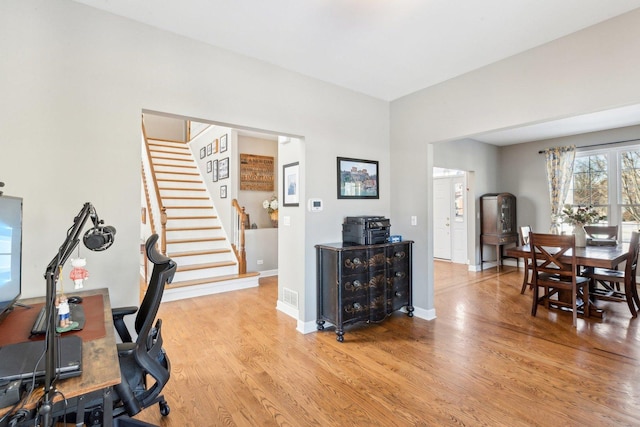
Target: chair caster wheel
point(164, 409)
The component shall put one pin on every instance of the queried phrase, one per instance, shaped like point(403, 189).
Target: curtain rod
point(599, 145)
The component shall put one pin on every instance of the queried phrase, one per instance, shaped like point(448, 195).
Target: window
point(608, 180)
point(629, 190)
point(590, 184)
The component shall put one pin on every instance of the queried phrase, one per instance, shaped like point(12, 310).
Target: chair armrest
point(118, 314)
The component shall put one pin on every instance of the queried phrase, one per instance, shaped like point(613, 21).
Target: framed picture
point(223, 168)
point(223, 143)
point(223, 191)
point(214, 169)
point(209, 149)
point(291, 184)
point(209, 166)
point(203, 152)
point(357, 179)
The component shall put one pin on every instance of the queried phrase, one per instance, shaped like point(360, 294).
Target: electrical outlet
point(260, 262)
point(414, 220)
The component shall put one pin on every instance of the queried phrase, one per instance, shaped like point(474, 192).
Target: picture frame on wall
point(209, 149)
point(357, 179)
point(214, 169)
point(223, 168)
point(291, 184)
point(209, 166)
point(223, 191)
point(203, 152)
point(223, 143)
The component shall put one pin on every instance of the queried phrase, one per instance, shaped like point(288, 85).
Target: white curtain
point(559, 173)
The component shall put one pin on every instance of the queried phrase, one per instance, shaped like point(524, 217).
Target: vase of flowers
point(271, 205)
point(579, 217)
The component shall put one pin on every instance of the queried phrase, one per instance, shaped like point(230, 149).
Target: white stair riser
point(183, 276)
point(175, 148)
point(192, 222)
point(172, 212)
point(188, 202)
point(176, 294)
point(190, 168)
point(155, 155)
point(181, 174)
point(194, 234)
point(197, 246)
point(182, 184)
point(202, 259)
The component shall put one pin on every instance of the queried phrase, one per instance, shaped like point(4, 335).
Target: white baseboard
point(426, 314)
point(268, 273)
point(287, 309)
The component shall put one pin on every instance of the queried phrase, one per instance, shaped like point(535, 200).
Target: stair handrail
point(161, 207)
point(147, 197)
point(240, 218)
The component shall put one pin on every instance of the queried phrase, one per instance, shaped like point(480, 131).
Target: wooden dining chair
point(528, 269)
point(555, 269)
point(603, 280)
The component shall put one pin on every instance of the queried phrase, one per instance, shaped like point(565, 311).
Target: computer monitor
point(10, 253)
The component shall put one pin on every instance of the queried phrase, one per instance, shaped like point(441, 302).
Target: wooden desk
point(100, 365)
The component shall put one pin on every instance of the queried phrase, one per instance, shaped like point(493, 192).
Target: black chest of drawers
point(362, 283)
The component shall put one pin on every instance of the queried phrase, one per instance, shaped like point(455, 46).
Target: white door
point(442, 218)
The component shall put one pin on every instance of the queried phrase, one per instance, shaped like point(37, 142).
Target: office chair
point(143, 358)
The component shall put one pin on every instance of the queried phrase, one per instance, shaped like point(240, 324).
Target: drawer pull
point(400, 274)
point(400, 255)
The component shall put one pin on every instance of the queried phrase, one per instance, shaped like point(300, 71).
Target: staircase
point(193, 234)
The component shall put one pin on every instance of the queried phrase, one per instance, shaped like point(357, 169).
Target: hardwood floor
point(237, 361)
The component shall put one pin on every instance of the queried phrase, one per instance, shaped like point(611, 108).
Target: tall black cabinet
point(498, 223)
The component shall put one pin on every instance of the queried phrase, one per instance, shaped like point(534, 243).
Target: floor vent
point(290, 297)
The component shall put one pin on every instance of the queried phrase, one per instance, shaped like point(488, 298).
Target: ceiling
point(385, 49)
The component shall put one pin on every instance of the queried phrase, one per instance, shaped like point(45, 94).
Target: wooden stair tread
point(178, 173)
point(173, 166)
point(189, 207)
point(178, 218)
point(181, 189)
point(202, 239)
point(196, 253)
point(185, 198)
point(175, 141)
point(205, 265)
point(178, 180)
point(211, 280)
point(217, 227)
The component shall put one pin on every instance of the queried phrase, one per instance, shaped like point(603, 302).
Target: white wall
point(591, 70)
point(74, 83)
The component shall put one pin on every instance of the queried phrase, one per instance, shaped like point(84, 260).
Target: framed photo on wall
point(209, 165)
point(357, 179)
point(223, 191)
point(209, 149)
point(291, 184)
point(223, 168)
point(214, 169)
point(203, 152)
point(223, 143)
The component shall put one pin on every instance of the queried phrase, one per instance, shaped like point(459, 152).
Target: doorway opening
point(450, 215)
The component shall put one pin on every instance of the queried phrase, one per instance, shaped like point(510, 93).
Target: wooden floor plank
point(237, 361)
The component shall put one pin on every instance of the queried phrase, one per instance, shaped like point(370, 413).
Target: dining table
point(588, 257)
